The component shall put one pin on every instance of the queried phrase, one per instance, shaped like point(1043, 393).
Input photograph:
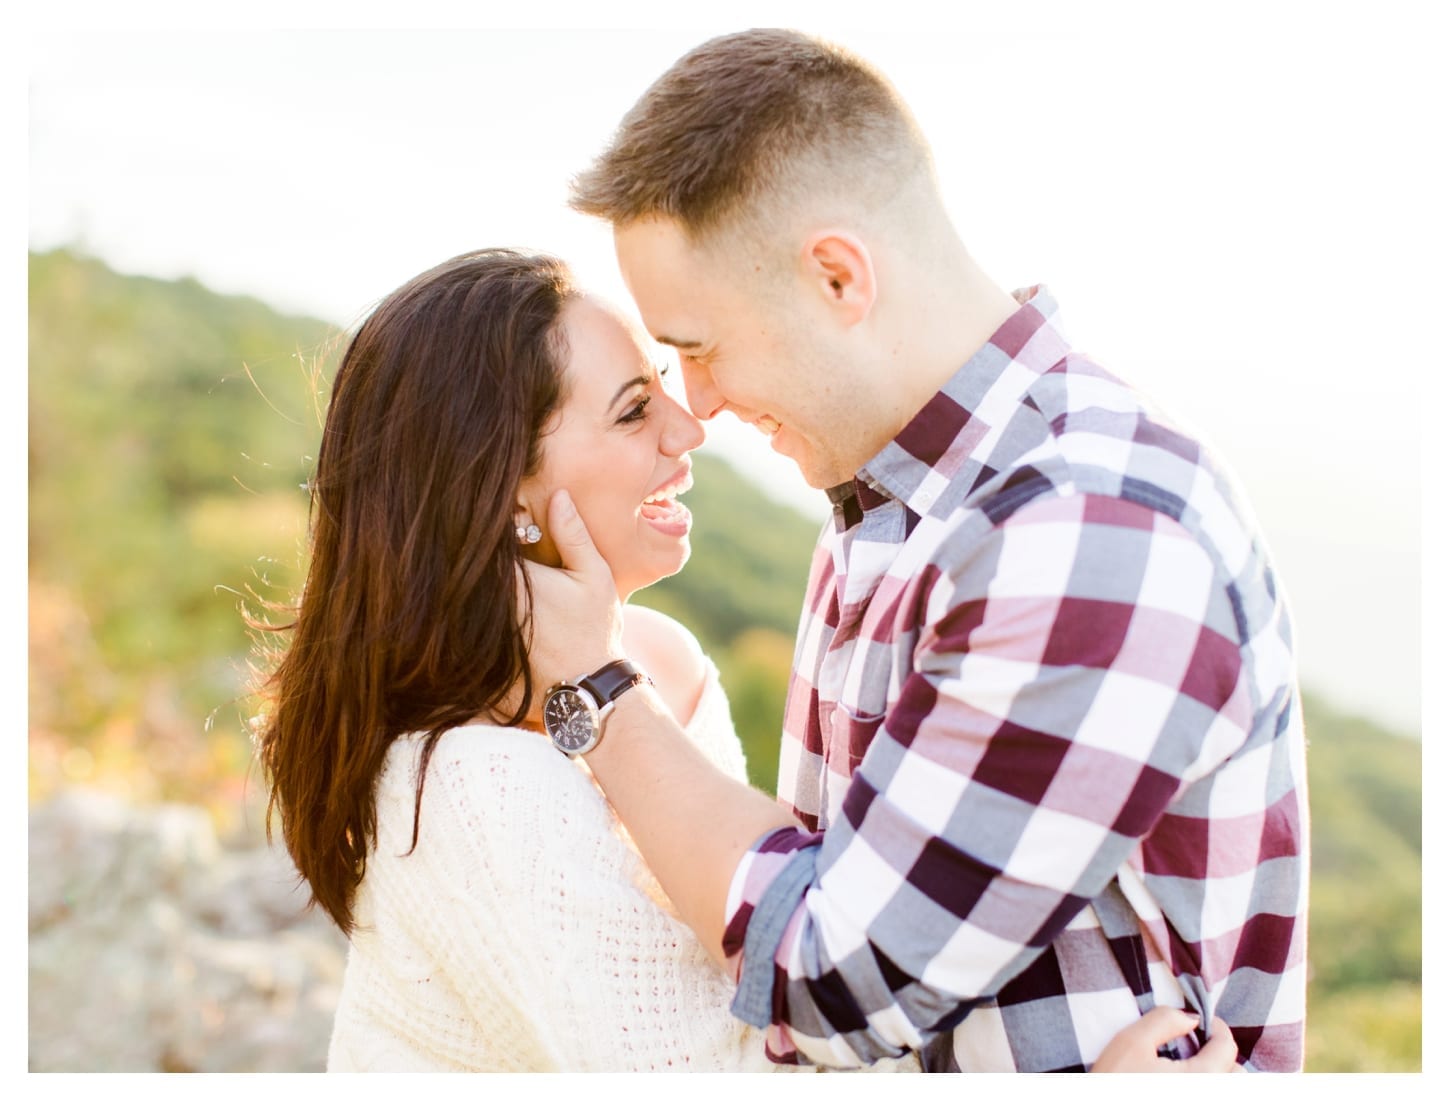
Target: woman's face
point(619, 446)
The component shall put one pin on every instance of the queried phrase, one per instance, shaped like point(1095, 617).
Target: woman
point(499, 918)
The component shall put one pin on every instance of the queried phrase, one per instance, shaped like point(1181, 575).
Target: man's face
point(766, 361)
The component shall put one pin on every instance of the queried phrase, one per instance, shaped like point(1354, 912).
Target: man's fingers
point(571, 538)
point(1163, 1024)
point(574, 612)
point(1219, 1054)
point(1135, 1048)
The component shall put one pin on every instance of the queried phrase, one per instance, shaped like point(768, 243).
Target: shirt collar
point(950, 438)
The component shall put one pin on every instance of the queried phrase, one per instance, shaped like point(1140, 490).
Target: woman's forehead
point(606, 347)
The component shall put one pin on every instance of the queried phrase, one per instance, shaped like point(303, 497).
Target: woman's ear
point(530, 531)
point(837, 266)
point(527, 530)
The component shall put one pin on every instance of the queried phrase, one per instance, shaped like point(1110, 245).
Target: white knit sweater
point(524, 932)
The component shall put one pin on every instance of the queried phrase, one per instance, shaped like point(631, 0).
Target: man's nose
point(700, 390)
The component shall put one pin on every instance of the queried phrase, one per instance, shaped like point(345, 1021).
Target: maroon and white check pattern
point(1043, 736)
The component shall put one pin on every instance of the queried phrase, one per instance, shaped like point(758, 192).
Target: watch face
point(572, 719)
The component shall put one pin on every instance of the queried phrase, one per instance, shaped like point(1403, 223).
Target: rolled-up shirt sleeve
point(1078, 664)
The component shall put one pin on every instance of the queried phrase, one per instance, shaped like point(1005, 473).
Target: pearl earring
point(530, 534)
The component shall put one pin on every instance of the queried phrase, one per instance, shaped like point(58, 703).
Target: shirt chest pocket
point(849, 736)
point(866, 679)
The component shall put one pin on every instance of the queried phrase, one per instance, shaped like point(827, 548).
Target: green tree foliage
point(162, 479)
point(1365, 894)
point(1372, 1028)
point(755, 671)
point(171, 430)
point(749, 562)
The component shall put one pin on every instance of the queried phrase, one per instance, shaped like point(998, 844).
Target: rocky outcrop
point(155, 947)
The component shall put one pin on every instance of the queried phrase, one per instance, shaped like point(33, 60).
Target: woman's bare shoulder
point(670, 654)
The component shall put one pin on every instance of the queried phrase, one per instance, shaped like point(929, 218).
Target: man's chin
point(821, 476)
point(789, 448)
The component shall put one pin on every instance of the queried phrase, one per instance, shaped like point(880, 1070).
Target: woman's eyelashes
point(637, 411)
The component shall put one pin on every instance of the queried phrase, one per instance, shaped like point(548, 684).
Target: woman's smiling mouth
point(663, 512)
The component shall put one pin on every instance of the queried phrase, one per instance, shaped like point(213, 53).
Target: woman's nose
point(682, 432)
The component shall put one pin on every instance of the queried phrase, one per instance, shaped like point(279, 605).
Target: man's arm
point(653, 774)
point(1077, 665)
point(999, 796)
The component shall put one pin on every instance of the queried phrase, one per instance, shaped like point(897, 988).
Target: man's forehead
point(654, 251)
point(682, 295)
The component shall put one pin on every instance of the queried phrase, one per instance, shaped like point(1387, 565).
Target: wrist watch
point(574, 712)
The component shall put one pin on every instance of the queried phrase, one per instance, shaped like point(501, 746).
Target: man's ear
point(837, 266)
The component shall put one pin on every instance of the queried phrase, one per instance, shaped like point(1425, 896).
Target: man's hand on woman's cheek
point(576, 621)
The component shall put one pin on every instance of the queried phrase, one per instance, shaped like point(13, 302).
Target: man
point(1044, 753)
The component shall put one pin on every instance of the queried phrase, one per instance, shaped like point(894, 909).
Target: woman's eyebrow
point(642, 380)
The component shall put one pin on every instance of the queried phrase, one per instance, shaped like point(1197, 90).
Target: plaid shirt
point(1044, 737)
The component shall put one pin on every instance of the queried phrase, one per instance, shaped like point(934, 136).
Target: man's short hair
point(748, 120)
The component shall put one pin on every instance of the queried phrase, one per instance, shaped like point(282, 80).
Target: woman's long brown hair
point(408, 618)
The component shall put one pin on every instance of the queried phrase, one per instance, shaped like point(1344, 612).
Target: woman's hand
point(1135, 1049)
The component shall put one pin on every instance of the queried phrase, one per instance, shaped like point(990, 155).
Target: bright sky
point(1242, 215)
